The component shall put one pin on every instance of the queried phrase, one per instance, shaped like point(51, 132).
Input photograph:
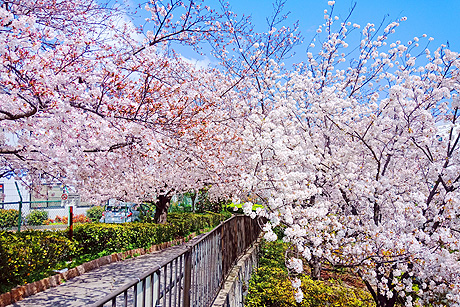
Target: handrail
point(214, 230)
point(194, 277)
point(125, 287)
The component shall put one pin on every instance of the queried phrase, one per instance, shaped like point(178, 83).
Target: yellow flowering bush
point(270, 286)
point(8, 218)
point(31, 255)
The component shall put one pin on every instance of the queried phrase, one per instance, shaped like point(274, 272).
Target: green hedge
point(191, 222)
point(270, 286)
point(31, 255)
point(95, 213)
point(37, 217)
point(95, 238)
point(8, 218)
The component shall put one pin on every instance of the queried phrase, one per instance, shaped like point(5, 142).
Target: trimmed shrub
point(31, 255)
point(179, 208)
point(95, 238)
point(270, 286)
point(215, 206)
point(8, 218)
point(37, 217)
point(147, 212)
point(226, 215)
point(190, 222)
point(95, 213)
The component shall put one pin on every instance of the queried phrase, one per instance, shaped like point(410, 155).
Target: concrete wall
point(236, 285)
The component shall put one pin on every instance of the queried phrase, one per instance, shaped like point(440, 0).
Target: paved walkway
point(94, 285)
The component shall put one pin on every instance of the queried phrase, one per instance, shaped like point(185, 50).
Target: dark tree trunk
point(161, 209)
point(315, 266)
point(384, 301)
point(195, 201)
point(381, 300)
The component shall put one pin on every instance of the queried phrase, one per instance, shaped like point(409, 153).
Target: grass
point(232, 206)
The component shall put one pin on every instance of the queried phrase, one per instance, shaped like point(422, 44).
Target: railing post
point(187, 277)
point(20, 207)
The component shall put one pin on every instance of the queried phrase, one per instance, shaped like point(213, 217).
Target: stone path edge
point(27, 290)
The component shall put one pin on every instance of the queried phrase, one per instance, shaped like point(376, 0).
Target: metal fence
point(34, 215)
point(193, 278)
point(21, 209)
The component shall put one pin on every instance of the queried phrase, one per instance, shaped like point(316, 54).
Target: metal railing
point(193, 278)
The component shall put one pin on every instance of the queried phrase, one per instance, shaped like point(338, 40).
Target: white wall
point(11, 193)
point(12, 196)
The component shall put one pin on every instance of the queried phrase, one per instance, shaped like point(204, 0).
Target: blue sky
point(436, 18)
point(439, 19)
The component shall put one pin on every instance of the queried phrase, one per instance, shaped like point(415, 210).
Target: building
point(54, 198)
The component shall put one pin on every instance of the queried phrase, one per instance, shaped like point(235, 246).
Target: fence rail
point(193, 278)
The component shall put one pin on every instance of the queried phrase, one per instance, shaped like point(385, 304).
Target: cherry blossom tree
point(113, 109)
point(356, 153)
point(189, 112)
point(46, 47)
point(355, 150)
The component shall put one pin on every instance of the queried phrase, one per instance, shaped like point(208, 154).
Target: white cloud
point(200, 64)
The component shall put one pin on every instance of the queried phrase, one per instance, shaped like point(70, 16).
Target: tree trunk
point(384, 301)
point(195, 201)
point(315, 266)
point(380, 299)
point(161, 209)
